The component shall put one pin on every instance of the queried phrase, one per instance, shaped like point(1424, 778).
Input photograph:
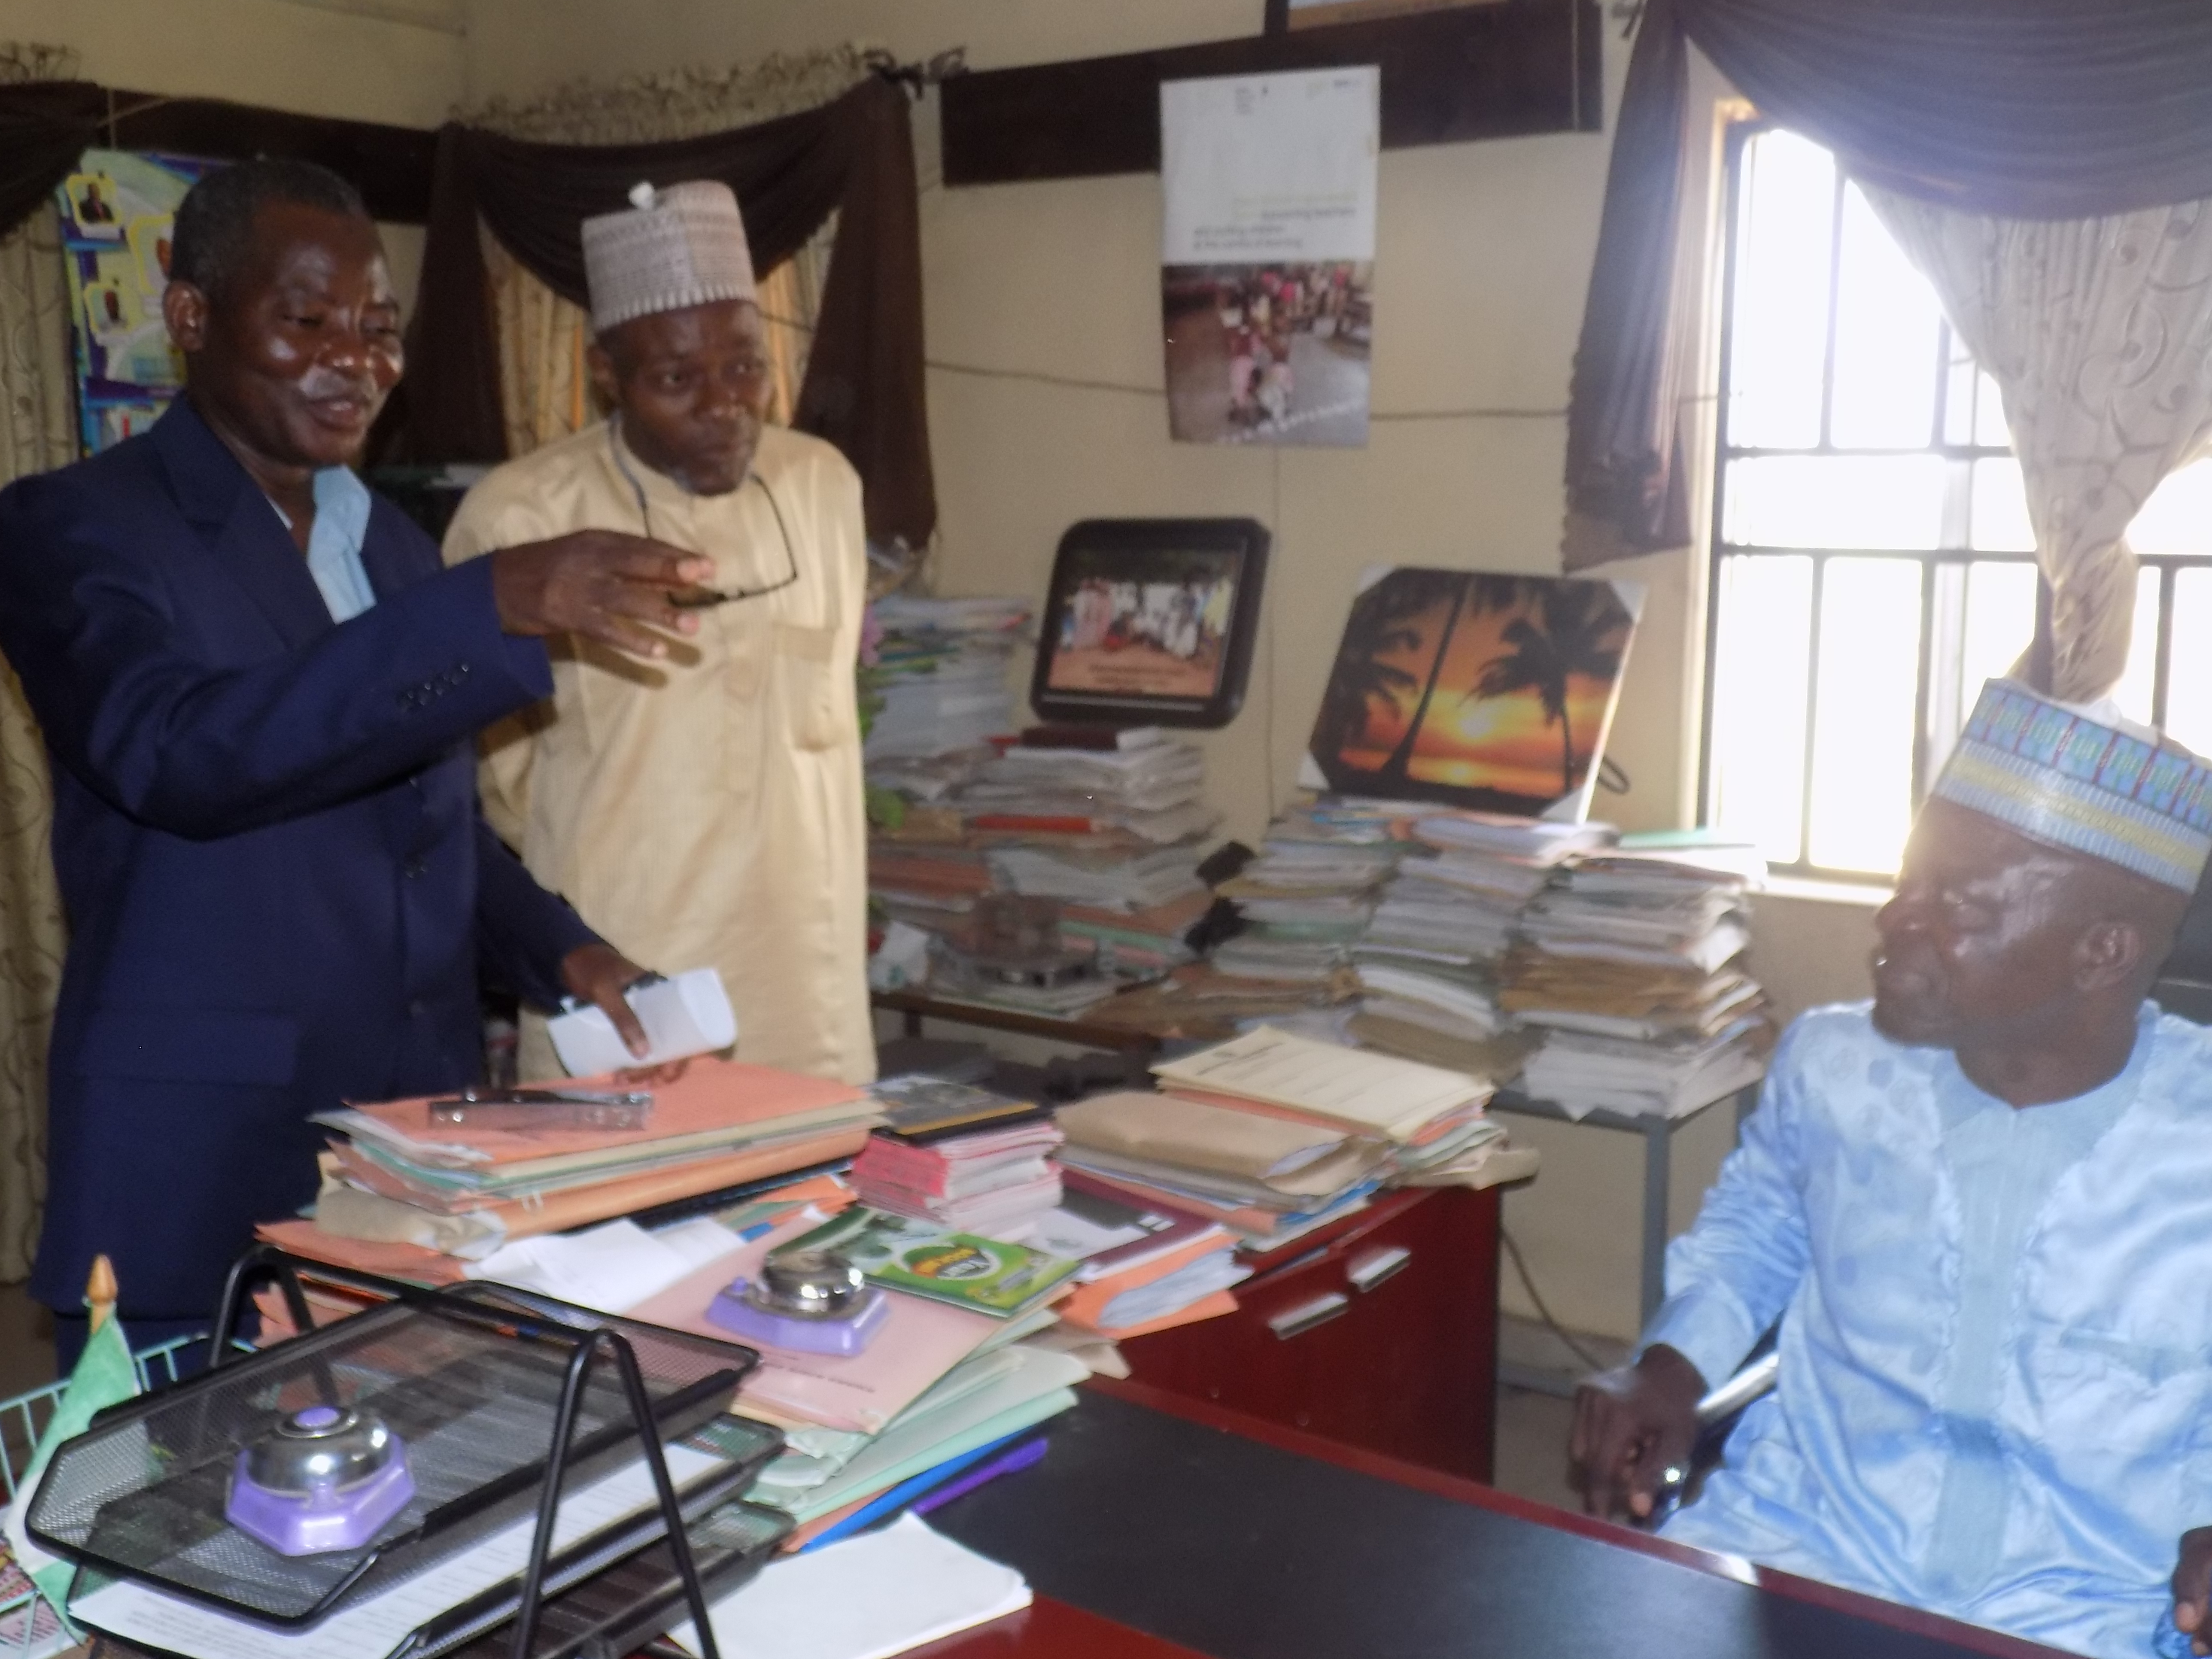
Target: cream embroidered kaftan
point(707, 809)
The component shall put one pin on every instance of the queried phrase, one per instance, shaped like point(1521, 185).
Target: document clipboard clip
point(545, 1109)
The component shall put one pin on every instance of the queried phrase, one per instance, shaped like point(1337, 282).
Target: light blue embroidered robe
point(2016, 1434)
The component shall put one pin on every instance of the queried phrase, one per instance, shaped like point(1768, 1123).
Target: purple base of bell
point(843, 1337)
point(293, 1523)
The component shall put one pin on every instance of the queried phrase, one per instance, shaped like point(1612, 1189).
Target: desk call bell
point(322, 1479)
point(812, 1301)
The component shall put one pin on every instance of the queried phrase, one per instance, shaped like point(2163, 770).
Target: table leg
point(1658, 1144)
point(912, 1023)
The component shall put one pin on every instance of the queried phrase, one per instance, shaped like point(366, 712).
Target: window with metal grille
point(1872, 560)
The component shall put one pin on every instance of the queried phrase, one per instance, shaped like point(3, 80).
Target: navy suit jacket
point(278, 887)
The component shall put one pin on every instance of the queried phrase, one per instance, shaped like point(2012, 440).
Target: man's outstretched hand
point(2192, 1590)
point(1631, 1425)
point(602, 584)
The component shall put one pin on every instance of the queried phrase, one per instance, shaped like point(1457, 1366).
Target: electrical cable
point(1543, 1312)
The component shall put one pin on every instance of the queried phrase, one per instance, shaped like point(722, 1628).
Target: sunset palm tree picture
point(1473, 690)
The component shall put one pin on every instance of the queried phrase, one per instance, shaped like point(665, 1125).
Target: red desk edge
point(1460, 1489)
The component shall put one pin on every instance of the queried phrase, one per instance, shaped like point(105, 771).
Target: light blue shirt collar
point(342, 503)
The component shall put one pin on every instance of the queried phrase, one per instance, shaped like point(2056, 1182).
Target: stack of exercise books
point(1428, 961)
point(1273, 1134)
point(1631, 965)
point(394, 1175)
point(942, 674)
point(1306, 899)
point(1146, 941)
point(959, 1157)
point(1141, 783)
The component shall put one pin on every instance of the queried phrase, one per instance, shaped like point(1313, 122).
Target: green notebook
point(984, 1274)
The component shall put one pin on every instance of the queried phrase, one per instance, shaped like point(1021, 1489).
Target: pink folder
point(918, 1343)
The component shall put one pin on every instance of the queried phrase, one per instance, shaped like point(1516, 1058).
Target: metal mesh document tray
point(471, 1389)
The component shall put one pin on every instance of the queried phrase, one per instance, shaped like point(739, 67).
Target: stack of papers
point(394, 1177)
point(991, 1180)
point(1428, 963)
point(1630, 964)
point(1153, 791)
point(1307, 898)
point(1147, 939)
point(1114, 882)
point(942, 671)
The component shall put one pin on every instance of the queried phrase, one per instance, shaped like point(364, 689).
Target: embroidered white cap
point(683, 246)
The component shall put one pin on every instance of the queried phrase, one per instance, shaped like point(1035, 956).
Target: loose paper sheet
point(877, 1594)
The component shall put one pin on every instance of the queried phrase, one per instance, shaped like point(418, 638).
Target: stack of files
point(394, 1177)
point(1583, 1073)
point(1264, 1175)
point(1155, 791)
point(989, 1180)
point(1120, 883)
point(942, 670)
point(1631, 964)
point(1306, 899)
point(1400, 1103)
point(1149, 938)
point(1429, 959)
point(1000, 1388)
point(936, 878)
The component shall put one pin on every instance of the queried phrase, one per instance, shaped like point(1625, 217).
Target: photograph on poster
point(1472, 689)
point(1269, 351)
point(151, 235)
point(89, 199)
point(108, 312)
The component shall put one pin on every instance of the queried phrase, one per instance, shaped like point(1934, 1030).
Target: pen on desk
point(907, 1491)
point(1020, 1458)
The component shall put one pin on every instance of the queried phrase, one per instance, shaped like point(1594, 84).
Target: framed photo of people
point(1150, 621)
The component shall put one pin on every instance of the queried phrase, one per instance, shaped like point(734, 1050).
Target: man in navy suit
point(258, 686)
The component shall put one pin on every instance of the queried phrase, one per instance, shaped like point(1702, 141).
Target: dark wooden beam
point(390, 166)
point(1501, 70)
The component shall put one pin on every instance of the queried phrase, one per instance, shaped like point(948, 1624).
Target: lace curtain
point(2099, 333)
point(37, 431)
point(545, 391)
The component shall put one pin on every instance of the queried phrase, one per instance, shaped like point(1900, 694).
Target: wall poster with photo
point(119, 214)
point(1468, 689)
point(1267, 255)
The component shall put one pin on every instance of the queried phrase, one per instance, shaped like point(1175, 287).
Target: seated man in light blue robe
point(1980, 1208)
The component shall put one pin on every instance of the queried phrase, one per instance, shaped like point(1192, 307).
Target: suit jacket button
point(415, 1009)
point(413, 868)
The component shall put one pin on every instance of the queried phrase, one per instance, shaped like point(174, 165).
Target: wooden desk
point(1227, 1537)
point(1379, 1333)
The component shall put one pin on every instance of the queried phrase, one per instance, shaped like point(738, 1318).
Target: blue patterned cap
point(2069, 779)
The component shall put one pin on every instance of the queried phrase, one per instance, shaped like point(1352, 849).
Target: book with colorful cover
point(987, 1276)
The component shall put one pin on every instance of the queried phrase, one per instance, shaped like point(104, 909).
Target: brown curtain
point(864, 385)
point(2032, 109)
point(37, 430)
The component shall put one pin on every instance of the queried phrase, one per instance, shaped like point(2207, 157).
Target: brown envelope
point(1295, 1158)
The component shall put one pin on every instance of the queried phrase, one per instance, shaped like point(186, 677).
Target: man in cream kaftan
point(710, 803)
point(707, 807)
